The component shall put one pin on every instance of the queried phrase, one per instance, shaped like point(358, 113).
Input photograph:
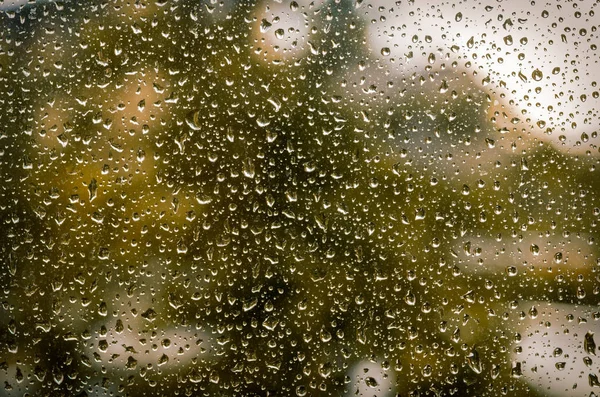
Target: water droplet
point(534, 249)
point(371, 382)
point(203, 198)
point(427, 371)
point(557, 352)
point(192, 120)
point(93, 189)
point(474, 361)
point(102, 309)
point(214, 377)
point(325, 335)
point(301, 391)
point(443, 87)
point(164, 359)
point(195, 376)
point(103, 345)
point(516, 371)
point(533, 313)
point(131, 363)
point(149, 315)
point(265, 26)
point(271, 136)
point(495, 371)
point(248, 168)
point(537, 75)
point(471, 42)
point(589, 344)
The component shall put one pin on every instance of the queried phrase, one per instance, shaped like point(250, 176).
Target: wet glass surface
point(307, 198)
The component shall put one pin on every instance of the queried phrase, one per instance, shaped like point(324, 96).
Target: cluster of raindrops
point(309, 197)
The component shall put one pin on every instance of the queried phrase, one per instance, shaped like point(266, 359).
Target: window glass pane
point(308, 198)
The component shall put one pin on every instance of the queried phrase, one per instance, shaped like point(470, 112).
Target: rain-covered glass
point(299, 198)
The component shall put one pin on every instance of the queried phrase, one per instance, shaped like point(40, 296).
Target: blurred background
point(310, 198)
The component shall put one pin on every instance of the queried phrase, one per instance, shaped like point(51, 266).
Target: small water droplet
point(371, 382)
point(537, 75)
point(203, 198)
point(533, 313)
point(557, 352)
point(427, 371)
point(474, 361)
point(589, 344)
point(93, 189)
point(195, 376)
point(495, 371)
point(534, 249)
point(192, 120)
point(443, 87)
point(516, 371)
point(265, 26)
point(149, 315)
point(301, 391)
point(131, 363)
point(164, 359)
point(248, 168)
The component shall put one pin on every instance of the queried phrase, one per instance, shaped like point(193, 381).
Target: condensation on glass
point(303, 198)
